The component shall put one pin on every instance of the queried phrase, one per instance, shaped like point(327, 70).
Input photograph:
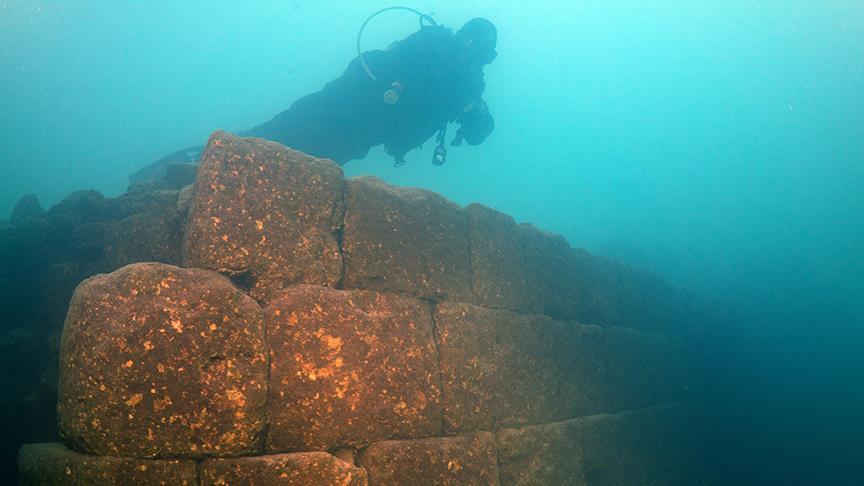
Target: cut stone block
point(466, 459)
point(632, 447)
point(582, 361)
point(644, 369)
point(541, 455)
point(499, 273)
point(348, 368)
point(554, 282)
point(649, 303)
point(497, 367)
point(405, 240)
point(265, 214)
point(159, 361)
point(297, 469)
point(49, 464)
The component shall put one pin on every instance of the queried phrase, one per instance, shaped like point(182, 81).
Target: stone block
point(650, 303)
point(265, 214)
point(554, 283)
point(460, 460)
point(297, 469)
point(159, 361)
point(499, 276)
point(497, 367)
point(595, 450)
point(644, 369)
point(348, 368)
point(582, 363)
point(611, 448)
point(49, 464)
point(405, 240)
point(541, 455)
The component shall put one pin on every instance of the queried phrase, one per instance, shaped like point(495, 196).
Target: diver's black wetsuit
point(349, 115)
point(438, 75)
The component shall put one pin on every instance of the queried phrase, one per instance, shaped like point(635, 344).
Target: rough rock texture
point(540, 455)
point(393, 319)
point(348, 368)
point(50, 464)
point(160, 361)
point(465, 459)
point(26, 208)
point(498, 261)
point(265, 214)
point(497, 367)
point(500, 368)
point(297, 469)
point(42, 259)
point(634, 447)
point(555, 284)
point(405, 240)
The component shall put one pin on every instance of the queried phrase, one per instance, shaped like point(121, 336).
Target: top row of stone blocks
point(270, 217)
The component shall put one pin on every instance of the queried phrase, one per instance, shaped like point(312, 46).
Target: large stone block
point(628, 448)
point(497, 367)
point(554, 283)
point(499, 274)
point(644, 369)
point(405, 240)
point(504, 369)
point(540, 455)
point(650, 303)
point(582, 362)
point(50, 464)
point(159, 361)
point(265, 214)
point(348, 368)
point(616, 294)
point(297, 469)
point(460, 460)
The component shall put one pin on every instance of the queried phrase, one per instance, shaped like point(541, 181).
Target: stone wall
point(332, 331)
point(44, 255)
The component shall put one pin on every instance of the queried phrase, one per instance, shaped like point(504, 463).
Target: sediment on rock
point(159, 361)
point(430, 343)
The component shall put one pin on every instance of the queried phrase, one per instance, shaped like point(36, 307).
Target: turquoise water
point(718, 143)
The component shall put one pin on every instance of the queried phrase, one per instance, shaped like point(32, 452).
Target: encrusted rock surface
point(497, 367)
point(460, 460)
point(405, 240)
point(348, 368)
point(159, 361)
point(50, 464)
point(265, 214)
point(297, 469)
point(633, 447)
point(499, 269)
point(428, 343)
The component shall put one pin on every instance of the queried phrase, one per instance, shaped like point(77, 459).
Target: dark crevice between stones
point(265, 430)
point(199, 466)
point(244, 280)
point(433, 306)
point(337, 219)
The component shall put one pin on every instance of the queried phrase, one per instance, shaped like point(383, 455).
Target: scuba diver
point(399, 97)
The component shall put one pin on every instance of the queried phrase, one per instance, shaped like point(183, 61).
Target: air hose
point(424, 18)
